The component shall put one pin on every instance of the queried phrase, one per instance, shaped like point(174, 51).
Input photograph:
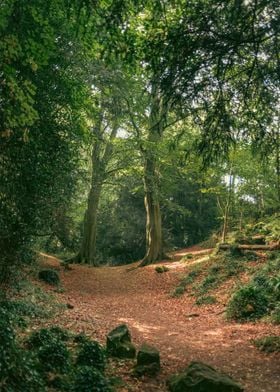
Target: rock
point(148, 361)
point(119, 343)
point(199, 377)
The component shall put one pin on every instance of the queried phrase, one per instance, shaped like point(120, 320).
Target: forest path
point(103, 298)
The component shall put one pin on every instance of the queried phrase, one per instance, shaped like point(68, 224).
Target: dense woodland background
point(105, 104)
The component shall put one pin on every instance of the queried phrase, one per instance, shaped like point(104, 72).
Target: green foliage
point(260, 297)
point(209, 282)
point(268, 344)
point(234, 251)
point(161, 268)
point(19, 370)
point(53, 355)
point(269, 227)
point(89, 378)
point(46, 336)
point(92, 354)
point(248, 303)
point(187, 280)
point(274, 255)
point(20, 309)
point(251, 256)
point(178, 291)
point(275, 314)
point(49, 276)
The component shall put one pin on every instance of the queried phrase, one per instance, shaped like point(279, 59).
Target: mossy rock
point(119, 343)
point(148, 361)
point(199, 377)
point(49, 276)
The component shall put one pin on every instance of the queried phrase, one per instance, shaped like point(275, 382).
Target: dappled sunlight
point(141, 327)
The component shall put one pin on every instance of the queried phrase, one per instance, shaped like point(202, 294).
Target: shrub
point(81, 338)
point(251, 256)
point(274, 255)
point(21, 309)
point(18, 369)
point(54, 356)
point(92, 354)
point(268, 344)
point(235, 251)
point(46, 336)
point(49, 276)
point(249, 302)
point(89, 379)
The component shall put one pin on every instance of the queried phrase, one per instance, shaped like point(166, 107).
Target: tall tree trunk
point(153, 215)
point(154, 247)
point(100, 158)
point(88, 246)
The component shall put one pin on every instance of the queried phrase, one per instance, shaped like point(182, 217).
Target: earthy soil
point(103, 298)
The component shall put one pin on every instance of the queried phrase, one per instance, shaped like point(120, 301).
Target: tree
point(40, 122)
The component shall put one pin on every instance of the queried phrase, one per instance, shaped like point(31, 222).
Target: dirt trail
point(104, 297)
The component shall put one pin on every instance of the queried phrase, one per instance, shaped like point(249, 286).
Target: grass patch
point(178, 291)
point(206, 300)
point(268, 344)
point(185, 281)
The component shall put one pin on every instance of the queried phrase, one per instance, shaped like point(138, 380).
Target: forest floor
point(105, 297)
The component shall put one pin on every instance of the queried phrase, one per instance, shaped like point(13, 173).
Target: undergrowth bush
point(19, 370)
point(250, 302)
point(49, 276)
point(46, 336)
point(45, 361)
point(92, 354)
point(54, 356)
point(89, 379)
point(81, 338)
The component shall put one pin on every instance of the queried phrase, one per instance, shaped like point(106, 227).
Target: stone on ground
point(119, 343)
point(148, 361)
point(199, 377)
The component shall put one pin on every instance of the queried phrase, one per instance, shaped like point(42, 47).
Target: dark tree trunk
point(154, 246)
